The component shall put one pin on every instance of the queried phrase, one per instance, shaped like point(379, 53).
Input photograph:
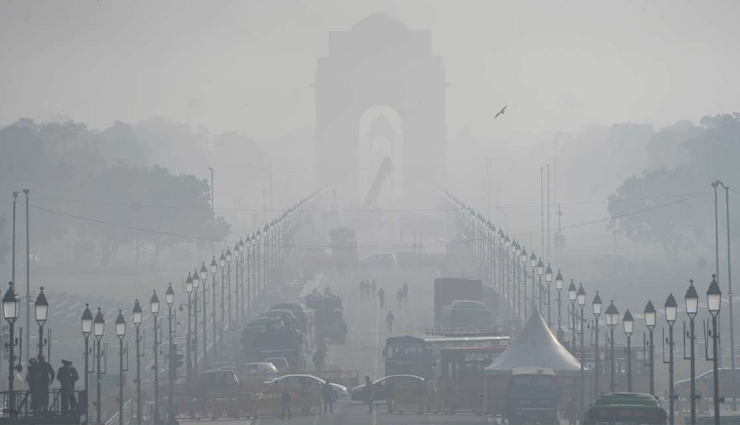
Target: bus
point(462, 376)
point(408, 355)
point(625, 408)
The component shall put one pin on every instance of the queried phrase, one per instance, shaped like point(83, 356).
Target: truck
point(466, 314)
point(329, 315)
point(258, 345)
point(532, 396)
point(307, 320)
point(344, 249)
point(449, 289)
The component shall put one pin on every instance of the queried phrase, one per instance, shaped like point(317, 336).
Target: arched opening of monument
point(380, 157)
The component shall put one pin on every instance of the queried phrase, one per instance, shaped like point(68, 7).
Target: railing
point(18, 406)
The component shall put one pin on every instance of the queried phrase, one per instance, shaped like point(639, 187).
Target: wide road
point(356, 414)
point(366, 321)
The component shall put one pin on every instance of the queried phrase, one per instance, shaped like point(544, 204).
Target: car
point(310, 382)
point(379, 261)
point(265, 369)
point(281, 363)
point(406, 383)
point(222, 366)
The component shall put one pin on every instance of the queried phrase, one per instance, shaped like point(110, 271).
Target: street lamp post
point(154, 305)
point(533, 266)
point(257, 264)
point(222, 265)
point(188, 338)
point(266, 277)
point(196, 285)
point(250, 272)
point(41, 311)
point(214, 270)
point(11, 308)
point(650, 316)
point(596, 304)
point(628, 324)
point(540, 272)
point(204, 277)
point(170, 299)
point(523, 261)
point(87, 325)
point(229, 257)
point(237, 257)
point(692, 307)
point(98, 331)
point(714, 298)
point(559, 288)
point(137, 319)
point(121, 333)
point(612, 317)
point(572, 293)
point(548, 281)
point(581, 300)
point(671, 313)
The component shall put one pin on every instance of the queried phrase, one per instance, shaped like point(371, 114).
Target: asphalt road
point(356, 414)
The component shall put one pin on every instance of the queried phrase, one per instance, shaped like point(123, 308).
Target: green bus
point(625, 408)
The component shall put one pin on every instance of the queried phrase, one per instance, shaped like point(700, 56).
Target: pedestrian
point(318, 360)
point(390, 319)
point(390, 396)
point(45, 376)
point(285, 399)
point(374, 288)
point(381, 298)
point(405, 291)
point(368, 394)
point(362, 288)
point(399, 298)
point(32, 381)
point(327, 393)
point(67, 377)
point(571, 412)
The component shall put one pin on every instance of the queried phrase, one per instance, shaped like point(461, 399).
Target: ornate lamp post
point(257, 263)
point(229, 257)
point(237, 257)
point(154, 306)
point(250, 272)
point(121, 333)
point(266, 277)
point(533, 266)
point(523, 259)
point(650, 318)
point(214, 270)
point(548, 281)
point(629, 325)
point(714, 298)
point(170, 299)
point(137, 319)
point(204, 277)
point(572, 292)
point(540, 272)
point(692, 307)
point(559, 288)
point(596, 305)
point(196, 285)
point(188, 338)
point(671, 313)
point(222, 265)
point(98, 332)
point(581, 299)
point(87, 325)
point(11, 308)
point(612, 318)
point(41, 311)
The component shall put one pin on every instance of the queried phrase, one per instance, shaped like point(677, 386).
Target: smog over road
point(368, 212)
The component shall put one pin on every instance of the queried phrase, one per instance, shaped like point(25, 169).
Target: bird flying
point(501, 112)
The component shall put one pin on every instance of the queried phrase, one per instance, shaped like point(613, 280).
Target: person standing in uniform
point(368, 393)
point(285, 399)
point(67, 377)
point(45, 376)
point(327, 393)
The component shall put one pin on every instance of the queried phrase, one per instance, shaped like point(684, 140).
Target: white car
point(309, 382)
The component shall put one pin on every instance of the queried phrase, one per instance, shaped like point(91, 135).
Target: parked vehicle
point(625, 408)
point(310, 383)
point(403, 385)
point(219, 393)
point(280, 363)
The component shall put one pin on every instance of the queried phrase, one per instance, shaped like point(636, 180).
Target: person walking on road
point(285, 399)
point(390, 319)
point(67, 376)
point(327, 393)
point(381, 298)
point(368, 393)
point(374, 287)
point(571, 412)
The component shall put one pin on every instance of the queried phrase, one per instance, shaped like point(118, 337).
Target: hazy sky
point(247, 65)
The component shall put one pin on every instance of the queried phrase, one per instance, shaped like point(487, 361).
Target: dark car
point(401, 384)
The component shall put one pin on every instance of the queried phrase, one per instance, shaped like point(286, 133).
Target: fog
point(154, 135)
